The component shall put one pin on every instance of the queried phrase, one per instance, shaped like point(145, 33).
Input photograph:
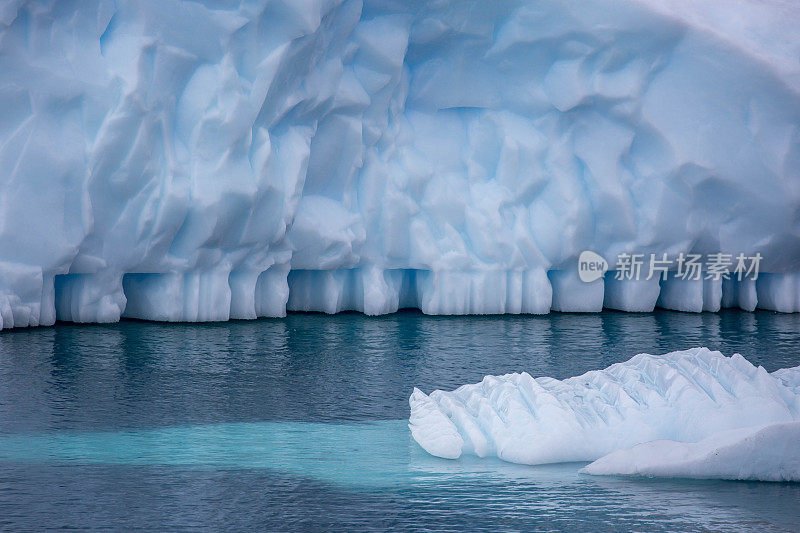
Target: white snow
point(174, 160)
point(683, 396)
point(762, 453)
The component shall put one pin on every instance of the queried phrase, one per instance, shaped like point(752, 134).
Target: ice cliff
point(701, 414)
point(200, 160)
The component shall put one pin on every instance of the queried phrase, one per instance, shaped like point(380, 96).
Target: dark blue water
point(300, 423)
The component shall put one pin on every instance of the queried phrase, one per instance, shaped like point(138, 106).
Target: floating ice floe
point(761, 453)
point(684, 396)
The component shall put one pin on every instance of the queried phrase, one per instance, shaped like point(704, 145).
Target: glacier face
point(684, 396)
point(179, 160)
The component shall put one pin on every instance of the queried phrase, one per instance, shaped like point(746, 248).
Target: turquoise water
point(300, 423)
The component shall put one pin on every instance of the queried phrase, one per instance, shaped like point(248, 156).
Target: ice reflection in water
point(378, 459)
point(301, 423)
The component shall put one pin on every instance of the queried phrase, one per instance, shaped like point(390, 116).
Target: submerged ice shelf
point(172, 161)
point(683, 396)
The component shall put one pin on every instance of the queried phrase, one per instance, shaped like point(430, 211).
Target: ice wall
point(210, 160)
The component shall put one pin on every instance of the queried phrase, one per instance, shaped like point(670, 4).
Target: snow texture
point(683, 396)
point(190, 161)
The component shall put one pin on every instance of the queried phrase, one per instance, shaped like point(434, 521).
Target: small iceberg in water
point(692, 413)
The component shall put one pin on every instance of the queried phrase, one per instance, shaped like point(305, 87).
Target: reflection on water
point(312, 367)
point(301, 421)
point(377, 463)
point(367, 454)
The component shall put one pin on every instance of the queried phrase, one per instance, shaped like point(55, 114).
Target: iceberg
point(190, 161)
point(684, 396)
point(763, 453)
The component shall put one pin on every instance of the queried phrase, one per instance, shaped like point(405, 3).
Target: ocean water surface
point(301, 423)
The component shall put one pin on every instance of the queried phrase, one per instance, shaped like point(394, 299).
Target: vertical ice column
point(779, 292)
point(535, 290)
point(450, 293)
point(243, 293)
point(375, 291)
point(259, 294)
point(371, 290)
point(633, 295)
point(712, 294)
point(89, 297)
point(26, 296)
point(380, 290)
point(741, 294)
point(328, 291)
point(189, 297)
point(483, 292)
point(47, 306)
point(570, 294)
point(272, 291)
point(690, 295)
